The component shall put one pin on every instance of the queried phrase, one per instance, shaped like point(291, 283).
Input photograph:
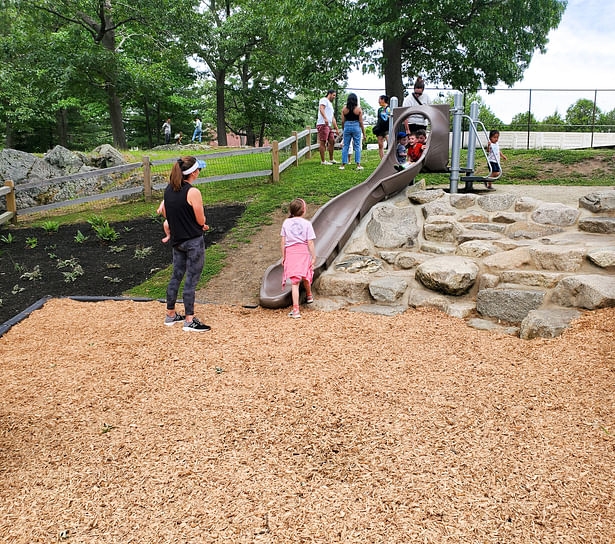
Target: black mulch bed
point(105, 272)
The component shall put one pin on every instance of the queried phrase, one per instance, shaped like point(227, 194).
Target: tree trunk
point(261, 135)
point(110, 77)
point(391, 52)
point(158, 124)
point(10, 136)
point(148, 127)
point(220, 114)
point(62, 127)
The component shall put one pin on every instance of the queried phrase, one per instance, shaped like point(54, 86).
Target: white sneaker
point(326, 163)
point(359, 167)
point(342, 167)
point(333, 161)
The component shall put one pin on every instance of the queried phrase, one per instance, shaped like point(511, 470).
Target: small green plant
point(80, 237)
point(76, 272)
point(31, 242)
point(52, 255)
point(106, 233)
point(113, 280)
point(19, 268)
point(68, 263)
point(16, 289)
point(141, 253)
point(97, 221)
point(7, 238)
point(111, 266)
point(128, 229)
point(51, 226)
point(106, 428)
point(117, 249)
point(34, 275)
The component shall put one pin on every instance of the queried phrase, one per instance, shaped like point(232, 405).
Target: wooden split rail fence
point(288, 146)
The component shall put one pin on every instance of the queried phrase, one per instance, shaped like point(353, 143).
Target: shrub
point(106, 233)
point(51, 226)
point(80, 237)
point(31, 242)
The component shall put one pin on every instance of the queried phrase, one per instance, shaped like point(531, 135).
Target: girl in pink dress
point(298, 253)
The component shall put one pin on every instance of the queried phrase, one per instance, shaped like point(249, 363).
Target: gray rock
point(603, 225)
point(64, 159)
point(470, 234)
point(438, 249)
point(441, 228)
point(355, 288)
point(423, 197)
point(603, 256)
point(474, 217)
point(377, 309)
point(392, 227)
point(486, 226)
point(359, 263)
point(461, 309)
point(505, 260)
point(388, 256)
point(554, 213)
point(476, 249)
point(407, 260)
point(487, 281)
point(486, 325)
point(416, 187)
point(547, 323)
point(357, 246)
point(510, 305)
point(508, 217)
point(527, 204)
point(438, 207)
point(323, 304)
point(599, 201)
point(450, 275)
point(562, 258)
point(533, 278)
point(106, 156)
point(589, 291)
point(22, 167)
point(419, 298)
point(387, 289)
point(494, 203)
point(462, 201)
point(530, 231)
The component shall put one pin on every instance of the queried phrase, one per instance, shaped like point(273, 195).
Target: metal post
point(594, 117)
point(472, 137)
point(529, 116)
point(456, 146)
point(393, 104)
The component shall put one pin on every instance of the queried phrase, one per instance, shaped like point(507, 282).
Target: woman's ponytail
point(177, 176)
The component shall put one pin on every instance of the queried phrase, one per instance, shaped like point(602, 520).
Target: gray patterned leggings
point(188, 259)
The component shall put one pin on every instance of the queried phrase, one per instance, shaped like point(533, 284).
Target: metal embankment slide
point(335, 222)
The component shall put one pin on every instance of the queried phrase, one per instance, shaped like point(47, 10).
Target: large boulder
point(22, 167)
point(387, 289)
point(106, 156)
point(64, 159)
point(496, 203)
point(599, 202)
point(450, 275)
point(565, 259)
point(601, 225)
point(555, 214)
point(589, 291)
point(441, 228)
point(547, 323)
point(510, 305)
point(392, 227)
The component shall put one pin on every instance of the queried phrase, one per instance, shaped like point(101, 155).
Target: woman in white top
point(417, 98)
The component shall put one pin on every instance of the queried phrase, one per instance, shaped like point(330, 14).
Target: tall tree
point(462, 43)
point(581, 115)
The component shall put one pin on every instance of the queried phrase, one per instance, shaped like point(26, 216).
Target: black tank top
point(180, 214)
point(351, 116)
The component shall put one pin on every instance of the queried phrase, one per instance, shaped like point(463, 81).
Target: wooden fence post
point(295, 148)
point(308, 141)
point(147, 179)
point(11, 202)
point(275, 162)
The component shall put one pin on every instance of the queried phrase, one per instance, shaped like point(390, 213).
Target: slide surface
point(335, 222)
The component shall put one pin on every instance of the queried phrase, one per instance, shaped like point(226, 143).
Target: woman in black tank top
point(352, 125)
point(183, 208)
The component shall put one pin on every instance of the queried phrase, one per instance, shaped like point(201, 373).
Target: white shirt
point(411, 101)
point(328, 112)
point(494, 152)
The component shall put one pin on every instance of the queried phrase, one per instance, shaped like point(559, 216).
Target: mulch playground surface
point(338, 427)
point(109, 269)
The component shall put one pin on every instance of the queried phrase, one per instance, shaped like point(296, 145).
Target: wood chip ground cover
point(339, 427)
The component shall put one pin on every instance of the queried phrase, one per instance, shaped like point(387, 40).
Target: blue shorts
point(495, 167)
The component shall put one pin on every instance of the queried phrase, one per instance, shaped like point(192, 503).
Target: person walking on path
point(381, 129)
point(494, 155)
point(352, 127)
point(166, 129)
point(198, 129)
point(325, 125)
point(183, 209)
point(298, 253)
point(417, 98)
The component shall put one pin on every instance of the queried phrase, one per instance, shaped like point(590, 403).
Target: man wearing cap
point(325, 124)
point(183, 208)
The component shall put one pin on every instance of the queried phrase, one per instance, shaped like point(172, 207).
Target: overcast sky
point(579, 56)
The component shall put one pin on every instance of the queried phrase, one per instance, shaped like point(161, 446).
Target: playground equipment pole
point(472, 136)
point(392, 104)
point(456, 145)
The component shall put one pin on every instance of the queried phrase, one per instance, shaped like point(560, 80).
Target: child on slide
point(298, 253)
point(401, 151)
